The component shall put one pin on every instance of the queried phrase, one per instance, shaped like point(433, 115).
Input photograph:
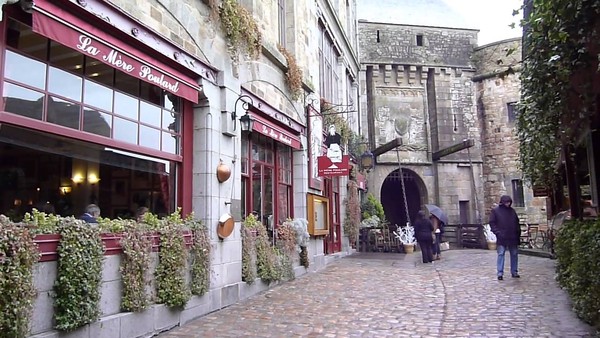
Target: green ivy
point(172, 289)
point(18, 255)
point(352, 219)
point(77, 285)
point(578, 267)
point(137, 256)
point(42, 223)
point(249, 248)
point(240, 28)
point(557, 96)
point(200, 256)
point(372, 207)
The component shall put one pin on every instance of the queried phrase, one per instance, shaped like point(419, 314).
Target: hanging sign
point(326, 167)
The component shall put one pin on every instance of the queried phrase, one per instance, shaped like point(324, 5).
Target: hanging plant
point(293, 75)
point(135, 265)
point(79, 275)
point(241, 30)
point(172, 289)
point(352, 219)
point(249, 248)
point(18, 255)
point(200, 256)
point(286, 243)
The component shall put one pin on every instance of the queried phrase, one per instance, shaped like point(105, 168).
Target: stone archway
point(393, 201)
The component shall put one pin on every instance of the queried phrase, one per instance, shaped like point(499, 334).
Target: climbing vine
point(557, 82)
point(200, 256)
point(18, 255)
point(137, 250)
point(240, 28)
point(293, 75)
point(249, 227)
point(79, 275)
point(172, 289)
point(352, 219)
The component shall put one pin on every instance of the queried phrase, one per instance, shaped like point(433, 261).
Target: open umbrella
point(437, 212)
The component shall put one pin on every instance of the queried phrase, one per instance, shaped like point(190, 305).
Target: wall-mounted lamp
point(246, 122)
point(65, 190)
point(247, 102)
point(77, 178)
point(367, 160)
point(93, 178)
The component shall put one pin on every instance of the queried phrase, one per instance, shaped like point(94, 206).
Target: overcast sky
point(491, 17)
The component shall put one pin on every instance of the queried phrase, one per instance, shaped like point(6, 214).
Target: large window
point(62, 176)
point(328, 77)
point(46, 81)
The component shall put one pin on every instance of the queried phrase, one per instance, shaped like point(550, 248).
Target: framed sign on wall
point(318, 215)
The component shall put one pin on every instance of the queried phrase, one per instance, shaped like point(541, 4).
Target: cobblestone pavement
point(395, 295)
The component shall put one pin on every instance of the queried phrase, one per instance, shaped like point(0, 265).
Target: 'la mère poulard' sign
point(119, 59)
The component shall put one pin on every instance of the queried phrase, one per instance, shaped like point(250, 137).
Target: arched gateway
point(392, 197)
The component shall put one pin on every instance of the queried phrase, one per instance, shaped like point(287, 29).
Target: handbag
point(444, 246)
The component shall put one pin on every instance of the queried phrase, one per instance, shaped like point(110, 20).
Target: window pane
point(97, 95)
point(25, 70)
point(96, 122)
point(22, 101)
point(149, 137)
point(171, 120)
point(21, 37)
point(150, 114)
point(64, 84)
point(66, 58)
point(99, 71)
point(125, 130)
point(170, 143)
point(126, 106)
point(151, 93)
point(63, 112)
point(127, 83)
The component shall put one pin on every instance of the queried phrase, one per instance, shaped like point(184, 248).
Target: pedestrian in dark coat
point(424, 235)
point(504, 223)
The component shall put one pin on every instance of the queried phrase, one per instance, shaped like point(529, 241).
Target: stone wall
point(497, 90)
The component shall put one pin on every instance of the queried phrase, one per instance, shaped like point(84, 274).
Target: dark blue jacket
point(89, 218)
point(504, 222)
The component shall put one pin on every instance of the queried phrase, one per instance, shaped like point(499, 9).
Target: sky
point(491, 17)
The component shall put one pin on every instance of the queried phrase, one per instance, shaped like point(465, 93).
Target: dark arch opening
point(392, 198)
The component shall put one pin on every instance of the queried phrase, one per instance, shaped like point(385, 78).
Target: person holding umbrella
point(438, 219)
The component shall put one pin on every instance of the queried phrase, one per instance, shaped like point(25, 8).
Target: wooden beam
point(452, 149)
point(384, 148)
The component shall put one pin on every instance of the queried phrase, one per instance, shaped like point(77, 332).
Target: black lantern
point(246, 122)
point(367, 160)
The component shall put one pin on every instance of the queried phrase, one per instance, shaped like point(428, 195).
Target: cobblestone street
point(395, 295)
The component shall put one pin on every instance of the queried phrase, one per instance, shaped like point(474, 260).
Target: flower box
point(47, 246)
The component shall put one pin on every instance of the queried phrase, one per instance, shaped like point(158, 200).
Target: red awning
point(275, 132)
point(73, 31)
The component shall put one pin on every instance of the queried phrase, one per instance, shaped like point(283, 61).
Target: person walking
point(423, 234)
point(438, 230)
point(504, 223)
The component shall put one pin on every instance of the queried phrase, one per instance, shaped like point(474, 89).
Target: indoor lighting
point(93, 178)
point(77, 178)
point(65, 190)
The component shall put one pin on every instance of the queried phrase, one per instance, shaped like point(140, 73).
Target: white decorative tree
point(489, 235)
point(406, 235)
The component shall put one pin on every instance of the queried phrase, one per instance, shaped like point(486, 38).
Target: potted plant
point(490, 237)
point(406, 236)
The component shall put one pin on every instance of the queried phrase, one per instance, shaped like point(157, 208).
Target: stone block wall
point(497, 92)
